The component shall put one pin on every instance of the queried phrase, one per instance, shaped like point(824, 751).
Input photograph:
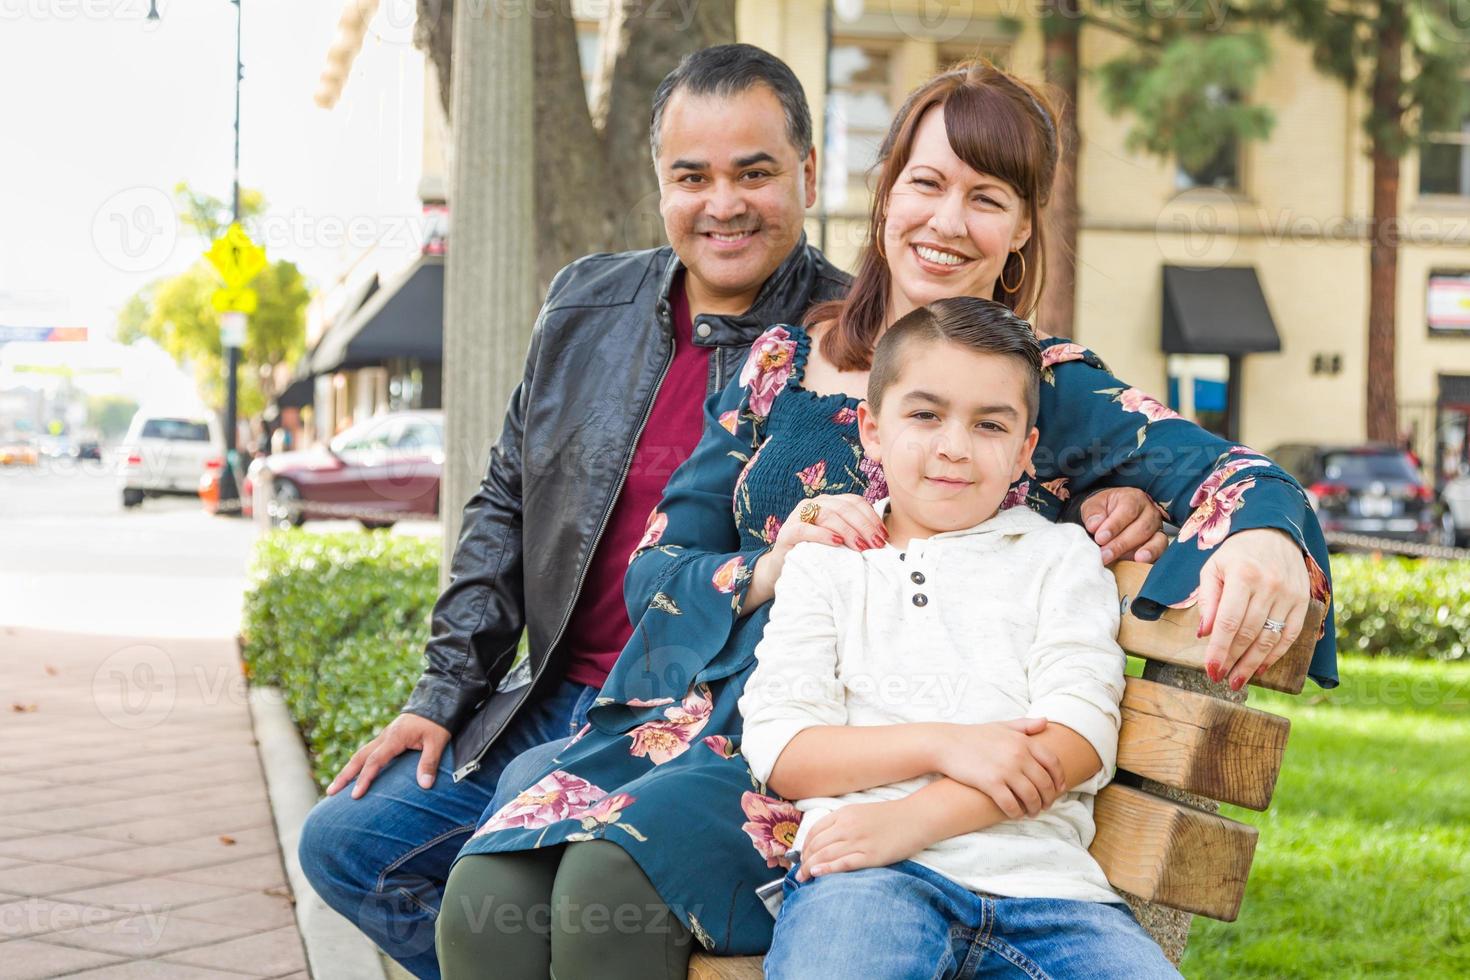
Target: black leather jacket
point(599, 351)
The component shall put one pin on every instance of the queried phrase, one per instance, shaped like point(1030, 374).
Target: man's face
point(732, 191)
point(951, 435)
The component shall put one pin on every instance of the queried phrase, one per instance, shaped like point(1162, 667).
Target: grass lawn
point(1363, 865)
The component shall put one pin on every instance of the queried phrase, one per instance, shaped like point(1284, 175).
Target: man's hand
point(1125, 523)
point(403, 733)
point(862, 835)
point(1002, 760)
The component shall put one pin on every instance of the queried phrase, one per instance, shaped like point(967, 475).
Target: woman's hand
point(1000, 759)
point(843, 520)
point(861, 835)
point(1253, 576)
point(1125, 523)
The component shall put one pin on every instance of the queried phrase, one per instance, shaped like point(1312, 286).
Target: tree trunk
point(599, 191)
point(1387, 131)
point(1061, 22)
point(490, 274)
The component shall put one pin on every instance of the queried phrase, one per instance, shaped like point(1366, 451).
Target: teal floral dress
point(658, 768)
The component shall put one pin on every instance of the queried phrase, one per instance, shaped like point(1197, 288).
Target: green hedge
point(1403, 607)
point(338, 622)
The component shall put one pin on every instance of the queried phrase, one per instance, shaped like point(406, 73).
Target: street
point(72, 559)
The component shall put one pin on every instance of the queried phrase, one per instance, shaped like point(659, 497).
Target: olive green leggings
point(585, 911)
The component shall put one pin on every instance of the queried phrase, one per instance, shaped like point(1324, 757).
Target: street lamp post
point(229, 492)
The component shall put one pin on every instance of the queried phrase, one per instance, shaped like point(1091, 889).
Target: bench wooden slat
point(1171, 638)
point(1172, 854)
point(703, 966)
point(1201, 744)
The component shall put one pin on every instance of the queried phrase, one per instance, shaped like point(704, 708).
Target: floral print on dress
point(660, 741)
point(1061, 353)
point(846, 415)
point(721, 746)
point(1016, 495)
point(767, 368)
point(1057, 488)
point(771, 825)
point(730, 420)
point(1134, 400)
point(813, 479)
point(664, 602)
point(558, 796)
point(771, 528)
point(872, 471)
point(1210, 523)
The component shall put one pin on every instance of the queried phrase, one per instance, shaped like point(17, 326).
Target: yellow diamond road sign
point(242, 300)
point(235, 257)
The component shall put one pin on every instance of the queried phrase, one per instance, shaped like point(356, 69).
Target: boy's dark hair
point(982, 325)
point(729, 69)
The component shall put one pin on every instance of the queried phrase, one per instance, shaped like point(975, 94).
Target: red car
point(373, 472)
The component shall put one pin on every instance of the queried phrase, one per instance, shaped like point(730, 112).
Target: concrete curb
point(335, 949)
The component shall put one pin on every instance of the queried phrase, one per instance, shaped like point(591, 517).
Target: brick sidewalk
point(135, 831)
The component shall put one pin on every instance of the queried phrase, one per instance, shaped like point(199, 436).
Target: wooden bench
point(1186, 745)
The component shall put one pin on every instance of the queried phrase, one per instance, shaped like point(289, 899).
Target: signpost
point(238, 261)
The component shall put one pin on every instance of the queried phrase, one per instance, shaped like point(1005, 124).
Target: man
point(624, 351)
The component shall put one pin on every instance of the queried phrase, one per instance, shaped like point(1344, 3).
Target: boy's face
point(952, 437)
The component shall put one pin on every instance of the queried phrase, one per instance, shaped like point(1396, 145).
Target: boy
point(944, 834)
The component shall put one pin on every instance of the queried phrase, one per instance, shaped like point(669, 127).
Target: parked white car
point(166, 452)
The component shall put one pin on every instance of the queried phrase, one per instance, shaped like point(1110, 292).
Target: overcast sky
point(104, 112)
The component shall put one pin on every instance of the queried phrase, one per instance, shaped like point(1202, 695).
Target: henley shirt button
point(702, 329)
point(920, 599)
point(918, 578)
point(902, 556)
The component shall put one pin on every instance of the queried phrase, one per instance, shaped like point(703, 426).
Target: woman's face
point(949, 227)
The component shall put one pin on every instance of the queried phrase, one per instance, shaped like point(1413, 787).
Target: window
point(1221, 171)
point(181, 430)
point(860, 112)
point(1444, 162)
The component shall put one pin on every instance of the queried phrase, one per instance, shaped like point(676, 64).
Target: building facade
point(1292, 209)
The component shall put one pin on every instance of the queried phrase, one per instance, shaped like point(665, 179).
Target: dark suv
point(1374, 489)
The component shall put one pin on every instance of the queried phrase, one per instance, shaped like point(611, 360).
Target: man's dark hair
point(726, 70)
point(982, 325)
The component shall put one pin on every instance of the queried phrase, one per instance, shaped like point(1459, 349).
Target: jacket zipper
point(474, 764)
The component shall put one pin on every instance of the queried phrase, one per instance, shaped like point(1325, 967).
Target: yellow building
point(1293, 208)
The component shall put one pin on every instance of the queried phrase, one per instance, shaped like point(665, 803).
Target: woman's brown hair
point(998, 125)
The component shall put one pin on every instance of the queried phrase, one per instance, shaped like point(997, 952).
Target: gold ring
point(809, 512)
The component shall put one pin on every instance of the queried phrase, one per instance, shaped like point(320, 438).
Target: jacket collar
point(1011, 520)
point(782, 298)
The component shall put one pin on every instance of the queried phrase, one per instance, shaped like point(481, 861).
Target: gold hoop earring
point(1009, 288)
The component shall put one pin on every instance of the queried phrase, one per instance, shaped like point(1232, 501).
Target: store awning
point(298, 394)
point(1216, 311)
point(404, 318)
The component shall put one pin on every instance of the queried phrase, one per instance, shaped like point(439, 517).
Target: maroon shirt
point(599, 627)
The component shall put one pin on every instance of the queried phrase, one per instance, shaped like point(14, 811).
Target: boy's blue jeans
point(906, 922)
point(382, 861)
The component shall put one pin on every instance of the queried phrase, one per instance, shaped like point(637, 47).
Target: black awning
point(298, 394)
point(405, 318)
point(1216, 311)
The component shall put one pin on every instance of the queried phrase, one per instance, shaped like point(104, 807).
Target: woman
point(657, 772)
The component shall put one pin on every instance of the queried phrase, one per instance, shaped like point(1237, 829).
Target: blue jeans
point(906, 922)
point(382, 861)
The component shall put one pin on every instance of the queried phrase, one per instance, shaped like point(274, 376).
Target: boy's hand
point(1001, 759)
point(862, 835)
